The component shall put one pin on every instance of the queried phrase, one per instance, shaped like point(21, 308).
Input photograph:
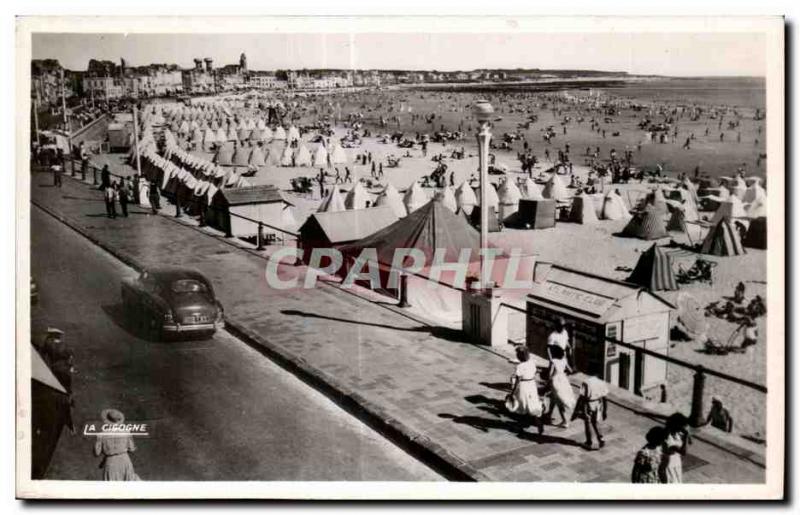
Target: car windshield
point(188, 286)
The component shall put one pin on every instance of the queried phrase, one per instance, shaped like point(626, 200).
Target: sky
point(671, 54)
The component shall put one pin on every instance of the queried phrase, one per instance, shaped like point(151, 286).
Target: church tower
point(243, 63)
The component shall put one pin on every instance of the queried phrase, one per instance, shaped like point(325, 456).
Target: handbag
point(511, 401)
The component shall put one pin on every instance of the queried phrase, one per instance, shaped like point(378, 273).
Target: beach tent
point(531, 190)
point(49, 413)
point(332, 202)
point(241, 156)
point(338, 155)
point(757, 208)
point(756, 237)
point(677, 221)
point(730, 208)
point(493, 201)
point(646, 224)
point(737, 187)
point(447, 198)
point(231, 136)
point(555, 189)
point(221, 137)
point(691, 187)
point(683, 200)
point(391, 197)
point(286, 156)
point(614, 207)
point(754, 192)
point(415, 197)
point(465, 198)
point(357, 197)
point(722, 240)
point(302, 157)
point(209, 138)
point(654, 270)
point(257, 157)
point(224, 156)
point(243, 134)
point(320, 157)
point(279, 134)
point(656, 199)
point(509, 197)
point(432, 226)
point(293, 134)
point(582, 210)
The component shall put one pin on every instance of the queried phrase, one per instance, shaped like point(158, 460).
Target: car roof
point(169, 274)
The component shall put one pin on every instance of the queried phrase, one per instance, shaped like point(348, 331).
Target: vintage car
point(166, 301)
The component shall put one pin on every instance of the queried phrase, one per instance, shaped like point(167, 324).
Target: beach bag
point(512, 403)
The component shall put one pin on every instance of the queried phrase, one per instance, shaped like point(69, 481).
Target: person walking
point(561, 395)
point(647, 463)
point(110, 195)
point(558, 341)
point(115, 449)
point(123, 195)
point(58, 172)
point(592, 404)
point(154, 197)
point(676, 441)
point(105, 178)
point(524, 399)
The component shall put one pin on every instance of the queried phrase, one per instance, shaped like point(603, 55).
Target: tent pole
point(136, 141)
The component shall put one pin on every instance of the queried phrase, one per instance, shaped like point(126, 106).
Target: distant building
point(46, 81)
point(199, 79)
point(264, 80)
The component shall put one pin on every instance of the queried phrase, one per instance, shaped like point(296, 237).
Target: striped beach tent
point(646, 224)
point(722, 240)
point(654, 270)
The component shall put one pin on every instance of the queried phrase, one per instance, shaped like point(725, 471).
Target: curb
point(420, 446)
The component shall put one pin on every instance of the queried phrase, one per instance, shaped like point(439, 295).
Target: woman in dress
point(524, 398)
point(647, 464)
point(561, 394)
point(676, 440)
point(114, 449)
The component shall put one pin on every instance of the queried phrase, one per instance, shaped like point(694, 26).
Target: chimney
point(209, 64)
point(198, 65)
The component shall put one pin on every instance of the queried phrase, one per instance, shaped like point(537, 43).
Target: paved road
point(219, 410)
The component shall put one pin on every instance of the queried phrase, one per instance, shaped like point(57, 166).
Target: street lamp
point(483, 112)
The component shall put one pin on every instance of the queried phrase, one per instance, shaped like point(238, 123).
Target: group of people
point(528, 406)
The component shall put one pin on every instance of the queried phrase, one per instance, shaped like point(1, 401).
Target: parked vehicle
point(170, 301)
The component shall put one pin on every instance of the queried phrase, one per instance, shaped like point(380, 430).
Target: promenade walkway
point(424, 383)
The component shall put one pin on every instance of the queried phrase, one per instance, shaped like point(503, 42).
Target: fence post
point(259, 238)
point(696, 417)
point(403, 291)
point(94, 175)
point(228, 233)
point(84, 164)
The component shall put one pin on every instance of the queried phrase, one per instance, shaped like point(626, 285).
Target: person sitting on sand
point(718, 416)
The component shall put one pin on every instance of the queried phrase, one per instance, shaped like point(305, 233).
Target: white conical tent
point(261, 124)
point(302, 157)
point(731, 208)
point(338, 155)
point(391, 197)
point(332, 202)
point(555, 189)
point(509, 193)
point(286, 156)
point(279, 134)
point(492, 200)
point(754, 192)
point(221, 137)
point(293, 134)
point(757, 208)
point(184, 127)
point(415, 197)
point(288, 220)
point(357, 197)
point(209, 137)
point(448, 199)
point(531, 190)
point(614, 207)
point(583, 210)
point(231, 136)
point(465, 198)
point(258, 158)
point(737, 187)
point(321, 157)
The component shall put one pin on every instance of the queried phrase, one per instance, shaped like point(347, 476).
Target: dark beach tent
point(582, 210)
point(677, 222)
point(723, 240)
point(654, 270)
point(49, 414)
point(646, 224)
point(494, 222)
point(756, 237)
point(536, 214)
point(431, 227)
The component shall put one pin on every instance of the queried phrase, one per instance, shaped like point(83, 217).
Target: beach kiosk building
point(596, 308)
point(260, 203)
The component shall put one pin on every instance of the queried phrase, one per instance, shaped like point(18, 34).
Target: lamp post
point(483, 112)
